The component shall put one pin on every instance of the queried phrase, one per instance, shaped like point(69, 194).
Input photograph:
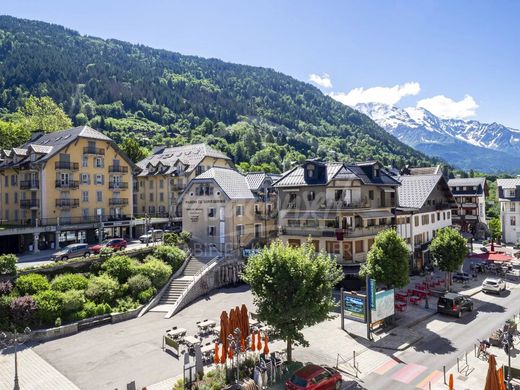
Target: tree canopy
point(495, 226)
point(448, 249)
point(292, 288)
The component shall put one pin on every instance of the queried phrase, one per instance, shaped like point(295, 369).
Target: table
point(401, 297)
point(414, 299)
point(206, 324)
point(420, 293)
point(400, 306)
point(176, 332)
point(191, 340)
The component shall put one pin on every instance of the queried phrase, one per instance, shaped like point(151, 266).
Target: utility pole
point(146, 229)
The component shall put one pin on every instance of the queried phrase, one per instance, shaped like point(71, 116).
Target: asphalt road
point(444, 339)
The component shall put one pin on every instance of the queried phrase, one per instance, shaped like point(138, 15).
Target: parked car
point(117, 244)
point(71, 251)
point(461, 277)
point(314, 377)
point(152, 236)
point(495, 285)
point(454, 304)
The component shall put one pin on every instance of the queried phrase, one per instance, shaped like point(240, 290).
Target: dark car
point(454, 304)
point(461, 277)
point(314, 377)
point(71, 251)
point(117, 244)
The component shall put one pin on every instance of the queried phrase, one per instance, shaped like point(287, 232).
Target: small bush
point(171, 239)
point(120, 267)
point(90, 309)
point(105, 253)
point(6, 287)
point(49, 306)
point(67, 282)
point(138, 283)
point(171, 255)
point(57, 322)
point(8, 264)
point(22, 310)
point(5, 311)
point(73, 300)
point(125, 304)
point(157, 271)
point(146, 295)
point(184, 237)
point(31, 284)
point(102, 289)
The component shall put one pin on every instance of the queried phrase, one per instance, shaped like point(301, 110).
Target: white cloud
point(385, 95)
point(323, 81)
point(447, 108)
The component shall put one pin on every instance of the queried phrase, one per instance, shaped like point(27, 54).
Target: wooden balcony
point(117, 169)
point(66, 166)
point(93, 151)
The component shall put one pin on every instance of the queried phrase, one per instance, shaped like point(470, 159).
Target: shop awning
point(491, 256)
point(375, 214)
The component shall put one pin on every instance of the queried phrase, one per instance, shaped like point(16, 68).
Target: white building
point(509, 198)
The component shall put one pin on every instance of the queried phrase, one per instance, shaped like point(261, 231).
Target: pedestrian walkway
point(34, 372)
point(410, 375)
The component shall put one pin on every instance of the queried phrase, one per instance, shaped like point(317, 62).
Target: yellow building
point(165, 174)
point(61, 187)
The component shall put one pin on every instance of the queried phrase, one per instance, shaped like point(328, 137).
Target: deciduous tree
point(448, 250)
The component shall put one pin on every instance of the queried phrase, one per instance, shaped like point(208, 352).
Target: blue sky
point(456, 58)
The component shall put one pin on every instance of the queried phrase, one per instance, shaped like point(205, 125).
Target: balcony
point(93, 150)
point(177, 187)
point(66, 165)
point(341, 205)
point(118, 201)
point(339, 234)
point(117, 169)
point(67, 203)
point(29, 203)
point(29, 184)
point(469, 205)
point(114, 185)
point(68, 185)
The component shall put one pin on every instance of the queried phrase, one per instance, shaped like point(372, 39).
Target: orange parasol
point(253, 346)
point(224, 355)
point(230, 354)
point(501, 379)
point(245, 320)
point(492, 382)
point(259, 345)
point(224, 326)
point(451, 382)
point(266, 346)
point(232, 321)
point(216, 359)
point(242, 345)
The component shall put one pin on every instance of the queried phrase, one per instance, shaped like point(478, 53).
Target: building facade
point(229, 211)
point(509, 198)
point(470, 215)
point(67, 186)
point(425, 206)
point(165, 174)
point(339, 207)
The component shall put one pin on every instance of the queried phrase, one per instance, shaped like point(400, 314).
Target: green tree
point(133, 150)
point(496, 229)
point(388, 260)
point(8, 264)
point(448, 250)
point(292, 288)
point(43, 114)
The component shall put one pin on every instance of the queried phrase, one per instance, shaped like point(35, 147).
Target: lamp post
point(146, 222)
point(234, 342)
point(507, 342)
point(16, 340)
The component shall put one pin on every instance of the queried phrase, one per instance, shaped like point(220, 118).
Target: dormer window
point(310, 171)
point(376, 172)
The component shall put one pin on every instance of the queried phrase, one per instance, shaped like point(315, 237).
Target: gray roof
point(189, 155)
point(508, 183)
point(232, 182)
point(256, 179)
point(415, 189)
point(426, 170)
point(467, 181)
point(295, 177)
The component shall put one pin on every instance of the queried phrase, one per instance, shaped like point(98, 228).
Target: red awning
point(491, 256)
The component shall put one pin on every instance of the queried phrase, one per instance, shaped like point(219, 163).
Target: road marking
point(408, 373)
point(384, 368)
point(432, 378)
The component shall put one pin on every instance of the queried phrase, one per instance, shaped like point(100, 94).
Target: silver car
point(71, 251)
point(495, 285)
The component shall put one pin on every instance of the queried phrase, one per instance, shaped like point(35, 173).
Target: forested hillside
point(254, 114)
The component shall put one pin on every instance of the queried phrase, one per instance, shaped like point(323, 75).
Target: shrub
point(184, 237)
point(120, 267)
point(73, 300)
point(8, 264)
point(157, 271)
point(146, 295)
point(125, 304)
point(67, 282)
point(171, 255)
point(6, 287)
point(105, 253)
point(49, 306)
point(171, 239)
point(22, 310)
point(5, 311)
point(31, 284)
point(102, 289)
point(57, 322)
point(138, 283)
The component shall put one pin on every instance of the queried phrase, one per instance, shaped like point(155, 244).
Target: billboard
point(384, 305)
point(355, 307)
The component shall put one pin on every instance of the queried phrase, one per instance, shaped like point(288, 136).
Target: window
point(292, 200)
point(85, 178)
point(293, 222)
point(6, 181)
point(84, 162)
point(16, 215)
point(211, 212)
point(150, 196)
point(338, 195)
point(433, 218)
point(161, 197)
point(448, 215)
point(240, 230)
point(16, 197)
point(258, 230)
point(310, 223)
point(311, 195)
point(512, 207)
point(511, 193)
point(99, 196)
point(85, 212)
point(371, 242)
point(161, 183)
point(239, 210)
point(331, 223)
point(359, 246)
point(512, 220)
point(425, 219)
point(84, 196)
point(99, 162)
point(438, 216)
point(6, 199)
point(14, 179)
point(332, 247)
point(371, 194)
point(100, 179)
point(211, 231)
point(416, 220)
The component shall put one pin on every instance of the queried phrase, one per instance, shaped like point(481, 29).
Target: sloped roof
point(508, 183)
point(436, 170)
point(415, 189)
point(296, 176)
point(232, 182)
point(255, 180)
point(189, 155)
point(384, 177)
point(467, 181)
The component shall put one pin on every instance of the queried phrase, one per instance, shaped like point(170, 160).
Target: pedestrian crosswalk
point(410, 374)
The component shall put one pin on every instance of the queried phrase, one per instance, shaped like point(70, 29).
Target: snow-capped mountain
point(466, 144)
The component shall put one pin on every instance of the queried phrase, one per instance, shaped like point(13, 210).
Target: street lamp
point(507, 342)
point(234, 342)
point(15, 340)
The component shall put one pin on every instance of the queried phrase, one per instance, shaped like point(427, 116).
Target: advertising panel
point(355, 307)
point(384, 305)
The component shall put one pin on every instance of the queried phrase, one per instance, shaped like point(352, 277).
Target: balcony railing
point(71, 184)
point(29, 203)
point(341, 205)
point(93, 150)
point(118, 201)
point(29, 184)
point(114, 185)
point(67, 203)
point(339, 234)
point(177, 187)
point(117, 169)
point(469, 205)
point(66, 165)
